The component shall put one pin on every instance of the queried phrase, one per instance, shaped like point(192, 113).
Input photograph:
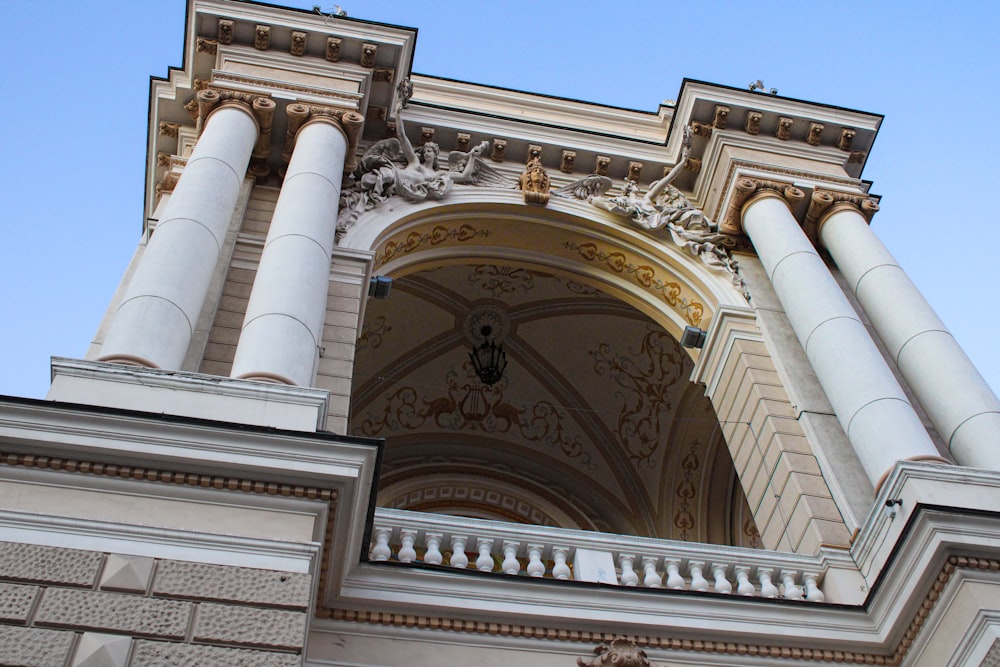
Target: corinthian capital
point(747, 189)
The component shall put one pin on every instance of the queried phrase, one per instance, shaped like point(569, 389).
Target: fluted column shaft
point(158, 313)
point(870, 405)
point(959, 402)
point(283, 328)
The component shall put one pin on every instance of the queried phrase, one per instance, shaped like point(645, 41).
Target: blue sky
point(76, 86)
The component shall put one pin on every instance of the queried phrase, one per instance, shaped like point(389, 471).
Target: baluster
point(674, 578)
point(652, 579)
point(458, 557)
point(792, 592)
point(433, 554)
point(536, 568)
point(722, 584)
point(629, 577)
point(485, 561)
point(406, 553)
point(381, 550)
point(560, 570)
point(744, 585)
point(698, 581)
point(510, 564)
point(813, 593)
point(767, 589)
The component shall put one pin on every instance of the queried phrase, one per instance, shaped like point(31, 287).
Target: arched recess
point(596, 404)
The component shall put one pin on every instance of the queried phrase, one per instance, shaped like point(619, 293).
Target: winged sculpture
point(393, 167)
point(662, 207)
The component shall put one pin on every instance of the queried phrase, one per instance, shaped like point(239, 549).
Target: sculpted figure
point(393, 167)
point(662, 207)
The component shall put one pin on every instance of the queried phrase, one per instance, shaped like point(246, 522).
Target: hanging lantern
point(489, 359)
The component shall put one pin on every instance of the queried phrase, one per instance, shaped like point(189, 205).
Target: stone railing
point(557, 553)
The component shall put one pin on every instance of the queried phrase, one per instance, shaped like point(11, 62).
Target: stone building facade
point(410, 371)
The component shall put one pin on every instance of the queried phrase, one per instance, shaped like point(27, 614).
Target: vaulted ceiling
point(594, 424)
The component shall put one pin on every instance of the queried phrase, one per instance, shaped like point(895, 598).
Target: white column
point(871, 406)
point(158, 313)
point(283, 327)
point(960, 403)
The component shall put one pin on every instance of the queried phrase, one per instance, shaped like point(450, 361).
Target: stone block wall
point(785, 488)
point(71, 607)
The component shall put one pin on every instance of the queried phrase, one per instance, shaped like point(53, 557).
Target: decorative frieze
point(262, 37)
point(225, 31)
point(297, 47)
point(333, 49)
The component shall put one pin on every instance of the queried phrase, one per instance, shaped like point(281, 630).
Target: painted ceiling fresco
point(593, 425)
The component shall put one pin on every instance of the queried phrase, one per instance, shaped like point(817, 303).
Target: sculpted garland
point(393, 167)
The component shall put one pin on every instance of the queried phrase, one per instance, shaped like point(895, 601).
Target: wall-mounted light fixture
point(379, 287)
point(693, 337)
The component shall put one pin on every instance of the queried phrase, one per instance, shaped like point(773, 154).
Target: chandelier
point(489, 359)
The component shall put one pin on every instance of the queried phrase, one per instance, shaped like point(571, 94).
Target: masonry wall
point(68, 606)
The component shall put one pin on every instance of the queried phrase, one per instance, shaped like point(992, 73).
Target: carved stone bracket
point(752, 125)
point(568, 161)
point(169, 129)
point(815, 134)
point(168, 182)
point(634, 172)
point(784, 131)
point(368, 54)
point(298, 43)
point(601, 165)
point(333, 49)
point(499, 150)
point(721, 117)
point(205, 45)
point(262, 37)
point(351, 122)
point(462, 140)
point(747, 187)
point(701, 129)
point(619, 652)
point(225, 33)
point(846, 139)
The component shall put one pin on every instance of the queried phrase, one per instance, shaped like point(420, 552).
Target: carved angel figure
point(393, 167)
point(662, 207)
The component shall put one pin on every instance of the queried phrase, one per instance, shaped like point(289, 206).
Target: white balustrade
point(744, 586)
point(652, 579)
point(813, 593)
point(722, 584)
point(536, 568)
point(485, 561)
point(674, 578)
point(628, 575)
point(510, 563)
point(407, 554)
point(536, 551)
point(792, 591)
point(698, 582)
point(458, 557)
point(767, 589)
